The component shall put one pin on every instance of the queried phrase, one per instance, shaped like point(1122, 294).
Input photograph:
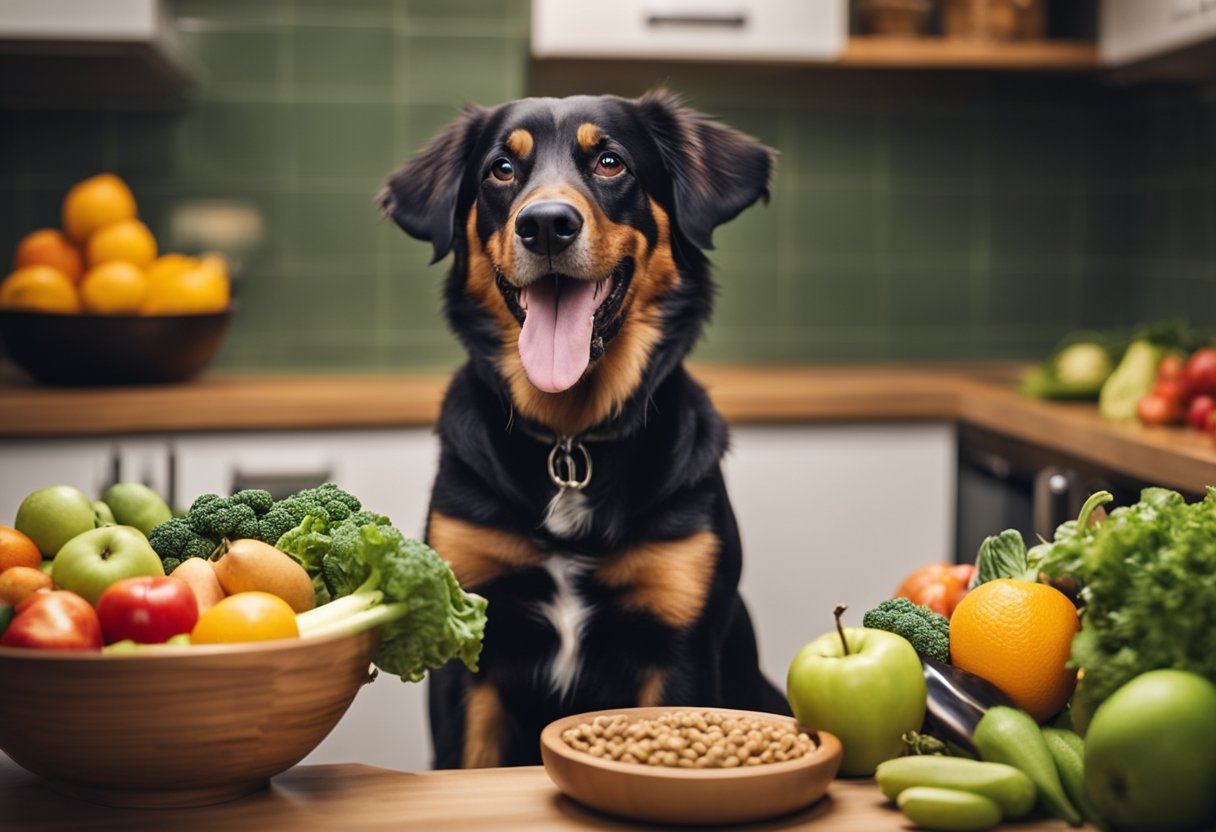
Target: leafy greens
point(1149, 588)
point(377, 577)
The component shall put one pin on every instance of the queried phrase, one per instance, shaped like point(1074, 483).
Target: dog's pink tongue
point(555, 344)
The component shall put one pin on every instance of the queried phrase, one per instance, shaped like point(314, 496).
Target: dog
point(579, 486)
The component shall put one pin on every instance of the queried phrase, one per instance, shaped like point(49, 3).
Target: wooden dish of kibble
point(689, 765)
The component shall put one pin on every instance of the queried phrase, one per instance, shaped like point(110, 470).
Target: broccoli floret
point(336, 503)
point(175, 541)
point(257, 499)
point(252, 513)
point(928, 631)
point(232, 517)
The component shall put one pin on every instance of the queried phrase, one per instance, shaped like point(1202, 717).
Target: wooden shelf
point(944, 53)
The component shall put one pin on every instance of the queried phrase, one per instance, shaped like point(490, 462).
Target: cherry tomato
point(246, 616)
point(938, 586)
point(1155, 409)
point(1171, 367)
point(1198, 413)
point(1199, 375)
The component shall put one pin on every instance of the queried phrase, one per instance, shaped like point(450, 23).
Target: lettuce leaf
point(1149, 589)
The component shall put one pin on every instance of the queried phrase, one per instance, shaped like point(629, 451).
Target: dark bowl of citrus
point(94, 350)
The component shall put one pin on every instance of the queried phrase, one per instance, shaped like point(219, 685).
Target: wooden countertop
point(356, 797)
point(980, 395)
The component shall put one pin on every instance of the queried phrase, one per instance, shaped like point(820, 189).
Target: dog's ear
point(716, 171)
point(422, 197)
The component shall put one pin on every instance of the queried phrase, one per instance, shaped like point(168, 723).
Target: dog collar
point(567, 456)
point(563, 467)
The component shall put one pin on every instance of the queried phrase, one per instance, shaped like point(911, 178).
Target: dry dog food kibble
point(688, 739)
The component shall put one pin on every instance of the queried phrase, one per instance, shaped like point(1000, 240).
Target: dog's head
point(577, 226)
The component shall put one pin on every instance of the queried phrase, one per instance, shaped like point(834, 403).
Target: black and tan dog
point(579, 487)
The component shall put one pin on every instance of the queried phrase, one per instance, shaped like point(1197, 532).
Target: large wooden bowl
point(688, 796)
point(186, 726)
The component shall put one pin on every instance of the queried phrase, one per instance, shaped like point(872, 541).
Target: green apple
point(54, 515)
point(1150, 753)
point(866, 686)
point(102, 514)
point(91, 561)
point(135, 504)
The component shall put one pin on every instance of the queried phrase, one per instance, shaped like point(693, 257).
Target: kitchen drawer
point(776, 30)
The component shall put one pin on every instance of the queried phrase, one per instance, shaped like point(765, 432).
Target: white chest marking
point(568, 514)
point(568, 613)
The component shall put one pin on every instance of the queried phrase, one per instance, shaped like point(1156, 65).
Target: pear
point(248, 564)
point(200, 576)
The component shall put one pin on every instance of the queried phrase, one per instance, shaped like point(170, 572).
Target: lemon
point(114, 288)
point(95, 203)
point(39, 289)
point(128, 240)
point(195, 291)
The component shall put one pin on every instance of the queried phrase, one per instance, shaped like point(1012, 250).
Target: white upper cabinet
point(753, 30)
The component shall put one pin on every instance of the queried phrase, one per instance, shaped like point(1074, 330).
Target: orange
point(1018, 635)
point(20, 582)
point(128, 240)
point(50, 247)
point(17, 550)
point(39, 289)
point(196, 291)
point(95, 203)
point(114, 288)
point(168, 265)
point(246, 616)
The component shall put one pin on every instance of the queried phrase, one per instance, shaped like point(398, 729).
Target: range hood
point(89, 54)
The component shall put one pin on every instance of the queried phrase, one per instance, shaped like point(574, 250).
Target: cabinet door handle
point(703, 21)
point(280, 484)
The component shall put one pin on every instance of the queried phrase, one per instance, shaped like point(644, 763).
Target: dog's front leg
point(485, 727)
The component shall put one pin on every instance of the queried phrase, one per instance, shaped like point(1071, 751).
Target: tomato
point(938, 586)
point(58, 620)
point(1199, 411)
point(1155, 409)
point(246, 616)
point(1199, 375)
point(146, 609)
point(1171, 367)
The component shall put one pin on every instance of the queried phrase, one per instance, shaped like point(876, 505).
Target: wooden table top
point(984, 396)
point(355, 797)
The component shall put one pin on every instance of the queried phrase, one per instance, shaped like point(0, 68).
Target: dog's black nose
point(548, 226)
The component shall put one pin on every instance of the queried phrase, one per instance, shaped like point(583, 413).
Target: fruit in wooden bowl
point(770, 766)
point(176, 726)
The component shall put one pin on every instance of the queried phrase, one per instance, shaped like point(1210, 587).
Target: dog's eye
point(609, 165)
point(502, 169)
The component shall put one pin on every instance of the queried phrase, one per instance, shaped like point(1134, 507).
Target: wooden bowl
point(660, 794)
point(176, 726)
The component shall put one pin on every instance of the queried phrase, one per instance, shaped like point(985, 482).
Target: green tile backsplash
point(913, 217)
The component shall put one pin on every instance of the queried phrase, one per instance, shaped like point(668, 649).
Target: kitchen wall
point(913, 216)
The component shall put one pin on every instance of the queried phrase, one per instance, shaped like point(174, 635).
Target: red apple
point(1197, 413)
point(1199, 375)
point(147, 609)
point(58, 620)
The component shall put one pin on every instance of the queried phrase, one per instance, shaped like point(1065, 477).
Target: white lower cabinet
point(835, 513)
point(827, 513)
